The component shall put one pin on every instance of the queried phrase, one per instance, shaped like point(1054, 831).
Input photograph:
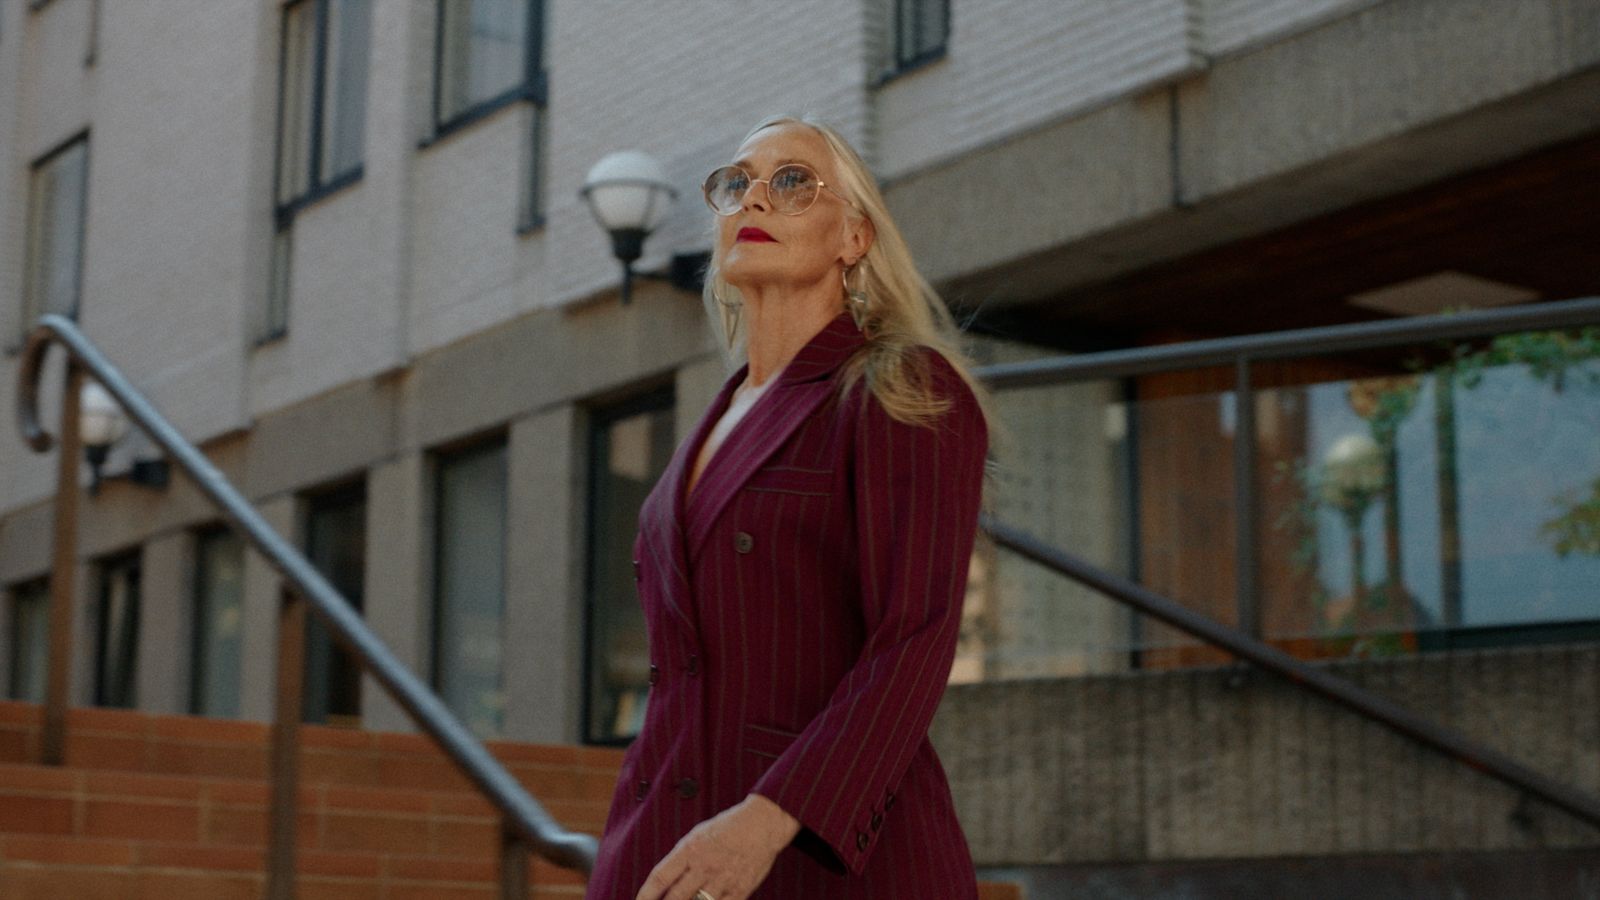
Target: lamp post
point(628, 193)
point(101, 423)
point(1354, 476)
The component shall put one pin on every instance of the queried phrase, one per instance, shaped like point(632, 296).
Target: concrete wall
point(1201, 764)
point(1377, 99)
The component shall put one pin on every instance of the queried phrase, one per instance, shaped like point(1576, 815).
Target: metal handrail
point(526, 823)
point(1240, 352)
point(1288, 344)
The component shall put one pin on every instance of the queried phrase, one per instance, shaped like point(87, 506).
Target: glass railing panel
point(1437, 492)
point(1143, 489)
point(1063, 475)
point(1184, 430)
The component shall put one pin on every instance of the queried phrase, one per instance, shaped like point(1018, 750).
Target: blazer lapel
point(802, 387)
point(661, 516)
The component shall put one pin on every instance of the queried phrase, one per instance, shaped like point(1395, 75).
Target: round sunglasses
point(791, 190)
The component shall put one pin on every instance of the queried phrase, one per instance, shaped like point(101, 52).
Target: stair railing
point(1241, 352)
point(525, 825)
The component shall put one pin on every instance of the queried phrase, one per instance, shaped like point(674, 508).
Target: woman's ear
point(858, 237)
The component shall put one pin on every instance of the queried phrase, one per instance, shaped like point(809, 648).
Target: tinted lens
point(725, 189)
point(793, 188)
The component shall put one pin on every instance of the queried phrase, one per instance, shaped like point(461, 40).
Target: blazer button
point(655, 674)
point(861, 840)
point(743, 542)
point(636, 570)
point(687, 788)
point(877, 821)
point(641, 789)
point(888, 802)
point(693, 668)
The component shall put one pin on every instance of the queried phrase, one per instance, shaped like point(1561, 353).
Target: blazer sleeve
point(917, 493)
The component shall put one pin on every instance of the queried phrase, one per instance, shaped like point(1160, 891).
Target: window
point(920, 30)
point(489, 54)
point(218, 644)
point(53, 264)
point(117, 632)
point(630, 447)
point(30, 641)
point(336, 543)
point(322, 111)
point(469, 588)
point(323, 91)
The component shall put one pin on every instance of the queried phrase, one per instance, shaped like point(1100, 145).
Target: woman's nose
point(762, 200)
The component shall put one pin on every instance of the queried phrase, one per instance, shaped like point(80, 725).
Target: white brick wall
point(166, 213)
point(1228, 26)
point(1015, 64)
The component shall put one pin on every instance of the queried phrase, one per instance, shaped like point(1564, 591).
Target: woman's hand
point(727, 855)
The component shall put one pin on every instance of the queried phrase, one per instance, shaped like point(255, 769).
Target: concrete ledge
point(1203, 764)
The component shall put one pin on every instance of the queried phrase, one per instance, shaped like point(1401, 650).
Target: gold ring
point(702, 895)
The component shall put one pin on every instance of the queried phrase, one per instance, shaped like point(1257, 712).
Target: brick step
point(36, 867)
point(174, 807)
point(45, 801)
point(128, 741)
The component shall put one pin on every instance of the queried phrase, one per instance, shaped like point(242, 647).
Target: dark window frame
point(318, 186)
point(117, 564)
point(904, 60)
point(440, 457)
point(25, 296)
point(534, 90)
point(659, 398)
point(313, 502)
point(198, 620)
point(14, 595)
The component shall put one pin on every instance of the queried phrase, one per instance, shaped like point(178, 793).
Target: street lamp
point(1354, 476)
point(101, 423)
point(628, 193)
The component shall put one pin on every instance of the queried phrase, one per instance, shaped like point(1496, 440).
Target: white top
point(744, 397)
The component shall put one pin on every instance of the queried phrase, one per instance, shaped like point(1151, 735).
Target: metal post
point(514, 857)
point(1244, 499)
point(63, 574)
point(1444, 436)
point(286, 745)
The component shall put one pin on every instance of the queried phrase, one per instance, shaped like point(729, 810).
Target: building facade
point(340, 244)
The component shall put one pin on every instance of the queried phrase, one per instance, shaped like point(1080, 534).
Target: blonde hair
point(904, 313)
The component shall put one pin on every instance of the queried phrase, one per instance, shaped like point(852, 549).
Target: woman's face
point(804, 249)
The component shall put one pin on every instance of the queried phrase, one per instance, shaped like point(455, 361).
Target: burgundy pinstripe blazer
point(802, 606)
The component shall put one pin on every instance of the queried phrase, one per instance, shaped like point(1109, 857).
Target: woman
point(802, 562)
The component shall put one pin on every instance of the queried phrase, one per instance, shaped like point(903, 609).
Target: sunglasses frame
point(705, 189)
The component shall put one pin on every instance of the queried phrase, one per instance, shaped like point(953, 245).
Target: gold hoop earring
point(730, 315)
point(857, 297)
point(723, 303)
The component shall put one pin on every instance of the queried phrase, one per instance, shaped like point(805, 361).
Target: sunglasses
point(791, 190)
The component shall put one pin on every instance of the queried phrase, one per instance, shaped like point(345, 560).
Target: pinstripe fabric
point(802, 605)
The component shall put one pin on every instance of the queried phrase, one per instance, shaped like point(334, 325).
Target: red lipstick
point(754, 234)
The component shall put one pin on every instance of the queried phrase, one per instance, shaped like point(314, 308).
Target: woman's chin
point(747, 276)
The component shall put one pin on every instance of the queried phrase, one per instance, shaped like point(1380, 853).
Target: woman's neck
point(779, 322)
